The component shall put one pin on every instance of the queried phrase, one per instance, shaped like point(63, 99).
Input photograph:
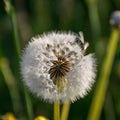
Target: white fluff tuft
point(36, 62)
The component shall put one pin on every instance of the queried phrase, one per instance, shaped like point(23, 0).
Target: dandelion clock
point(54, 67)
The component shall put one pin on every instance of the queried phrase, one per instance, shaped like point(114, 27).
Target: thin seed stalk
point(100, 91)
point(57, 110)
point(60, 85)
point(65, 111)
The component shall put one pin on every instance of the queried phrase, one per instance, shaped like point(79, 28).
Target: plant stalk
point(57, 110)
point(100, 91)
point(65, 111)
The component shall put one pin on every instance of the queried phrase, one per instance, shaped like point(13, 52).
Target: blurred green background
point(37, 16)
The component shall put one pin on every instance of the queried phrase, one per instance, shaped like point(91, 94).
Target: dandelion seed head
point(54, 67)
point(115, 19)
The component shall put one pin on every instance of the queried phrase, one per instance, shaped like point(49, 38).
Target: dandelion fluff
point(54, 67)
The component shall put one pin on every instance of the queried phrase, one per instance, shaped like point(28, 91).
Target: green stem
point(11, 13)
point(100, 91)
point(15, 32)
point(57, 110)
point(65, 111)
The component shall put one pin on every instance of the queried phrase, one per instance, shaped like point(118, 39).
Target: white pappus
point(54, 67)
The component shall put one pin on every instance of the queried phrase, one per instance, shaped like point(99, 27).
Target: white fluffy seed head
point(38, 58)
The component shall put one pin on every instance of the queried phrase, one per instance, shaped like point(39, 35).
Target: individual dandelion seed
point(55, 68)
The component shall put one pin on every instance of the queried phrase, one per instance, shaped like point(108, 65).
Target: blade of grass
point(94, 18)
point(11, 14)
point(10, 81)
point(100, 91)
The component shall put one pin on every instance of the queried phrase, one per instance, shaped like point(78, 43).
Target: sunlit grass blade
point(100, 91)
point(11, 14)
point(65, 111)
point(11, 84)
